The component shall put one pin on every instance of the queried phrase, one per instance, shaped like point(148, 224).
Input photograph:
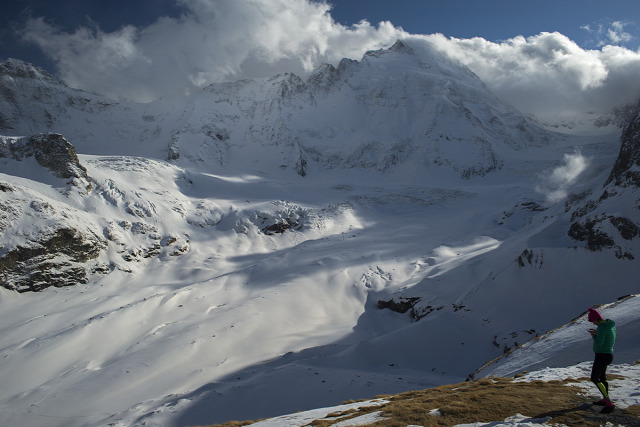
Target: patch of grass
point(633, 411)
point(487, 400)
point(235, 423)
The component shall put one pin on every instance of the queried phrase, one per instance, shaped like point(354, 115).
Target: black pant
point(599, 369)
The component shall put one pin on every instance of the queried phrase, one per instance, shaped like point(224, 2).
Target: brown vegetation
point(488, 400)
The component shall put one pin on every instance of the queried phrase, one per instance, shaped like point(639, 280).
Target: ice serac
point(610, 219)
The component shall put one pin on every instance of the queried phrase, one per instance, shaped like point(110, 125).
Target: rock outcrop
point(58, 259)
point(61, 247)
point(626, 170)
point(52, 151)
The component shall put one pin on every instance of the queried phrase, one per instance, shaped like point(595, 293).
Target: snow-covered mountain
point(233, 253)
point(404, 105)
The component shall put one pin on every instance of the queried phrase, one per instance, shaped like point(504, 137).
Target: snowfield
point(252, 231)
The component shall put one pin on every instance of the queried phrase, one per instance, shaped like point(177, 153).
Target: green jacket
point(605, 337)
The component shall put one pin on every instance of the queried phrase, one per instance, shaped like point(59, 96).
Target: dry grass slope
point(487, 400)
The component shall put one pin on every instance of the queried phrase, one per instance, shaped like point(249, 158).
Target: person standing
point(604, 337)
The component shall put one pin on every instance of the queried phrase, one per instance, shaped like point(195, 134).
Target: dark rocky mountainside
point(599, 222)
point(63, 258)
point(626, 170)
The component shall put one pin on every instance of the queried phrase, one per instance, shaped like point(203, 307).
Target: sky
point(532, 53)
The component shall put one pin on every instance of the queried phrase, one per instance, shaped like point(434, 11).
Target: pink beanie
point(594, 315)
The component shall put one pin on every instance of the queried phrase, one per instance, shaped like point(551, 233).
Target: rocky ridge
point(597, 221)
point(51, 151)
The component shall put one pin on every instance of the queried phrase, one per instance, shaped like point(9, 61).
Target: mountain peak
point(17, 68)
point(401, 47)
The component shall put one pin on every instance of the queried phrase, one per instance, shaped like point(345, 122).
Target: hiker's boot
point(607, 409)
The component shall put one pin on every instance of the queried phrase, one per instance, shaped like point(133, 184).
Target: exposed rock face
point(58, 249)
point(626, 171)
point(58, 259)
point(612, 221)
point(415, 306)
point(52, 151)
point(280, 227)
point(400, 305)
point(55, 153)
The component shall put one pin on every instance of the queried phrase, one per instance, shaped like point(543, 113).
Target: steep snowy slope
point(569, 344)
point(247, 235)
point(553, 357)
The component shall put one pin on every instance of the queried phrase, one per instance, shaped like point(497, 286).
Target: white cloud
point(555, 185)
point(617, 35)
point(611, 33)
point(222, 40)
point(212, 41)
point(549, 75)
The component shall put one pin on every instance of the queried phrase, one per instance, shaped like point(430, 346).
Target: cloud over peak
point(224, 40)
point(212, 41)
point(549, 74)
